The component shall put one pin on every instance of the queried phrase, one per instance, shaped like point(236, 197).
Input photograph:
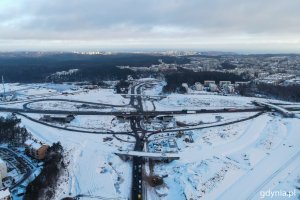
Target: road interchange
point(141, 135)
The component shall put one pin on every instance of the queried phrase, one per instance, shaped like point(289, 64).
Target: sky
point(204, 25)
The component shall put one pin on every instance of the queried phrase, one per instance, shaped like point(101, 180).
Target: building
point(3, 171)
point(90, 87)
point(186, 86)
point(198, 86)
point(166, 118)
point(229, 88)
point(213, 87)
point(294, 81)
point(58, 118)
point(276, 79)
point(206, 83)
point(122, 119)
point(222, 83)
point(5, 194)
point(36, 150)
point(238, 83)
point(263, 74)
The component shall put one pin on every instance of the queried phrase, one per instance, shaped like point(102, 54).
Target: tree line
point(11, 132)
point(282, 92)
point(40, 68)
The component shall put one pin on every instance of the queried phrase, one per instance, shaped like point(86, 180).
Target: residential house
point(35, 149)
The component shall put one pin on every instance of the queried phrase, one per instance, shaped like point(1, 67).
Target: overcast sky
point(228, 25)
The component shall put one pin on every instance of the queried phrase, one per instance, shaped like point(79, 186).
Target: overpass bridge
point(158, 97)
point(154, 156)
point(281, 110)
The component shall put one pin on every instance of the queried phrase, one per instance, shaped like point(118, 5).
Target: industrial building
point(58, 118)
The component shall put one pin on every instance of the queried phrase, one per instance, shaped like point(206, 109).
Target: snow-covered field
point(203, 101)
point(211, 118)
point(100, 95)
point(64, 91)
point(101, 123)
point(93, 168)
point(236, 161)
point(250, 155)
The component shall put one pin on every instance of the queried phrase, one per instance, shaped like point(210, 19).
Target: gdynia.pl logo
point(277, 193)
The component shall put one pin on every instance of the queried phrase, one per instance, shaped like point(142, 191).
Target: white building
point(238, 83)
point(185, 85)
point(3, 171)
point(198, 86)
point(295, 81)
point(213, 87)
point(222, 83)
point(5, 195)
point(229, 88)
point(207, 83)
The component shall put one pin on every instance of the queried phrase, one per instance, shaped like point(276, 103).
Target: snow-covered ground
point(93, 168)
point(211, 118)
point(203, 101)
point(64, 91)
point(248, 159)
point(96, 123)
point(73, 106)
point(252, 156)
point(99, 95)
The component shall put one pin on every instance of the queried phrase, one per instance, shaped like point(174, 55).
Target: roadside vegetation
point(11, 132)
point(122, 87)
point(44, 185)
point(287, 93)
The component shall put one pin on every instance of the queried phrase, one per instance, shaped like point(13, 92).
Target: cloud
point(126, 22)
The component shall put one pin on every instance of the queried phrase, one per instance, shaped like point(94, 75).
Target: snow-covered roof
point(33, 144)
point(36, 146)
point(29, 142)
point(4, 193)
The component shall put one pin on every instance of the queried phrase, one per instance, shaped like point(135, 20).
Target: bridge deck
point(280, 109)
point(149, 154)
